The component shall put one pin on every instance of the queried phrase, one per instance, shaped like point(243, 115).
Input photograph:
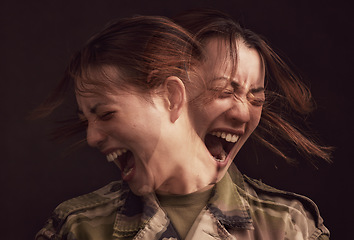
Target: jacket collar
point(134, 214)
point(229, 207)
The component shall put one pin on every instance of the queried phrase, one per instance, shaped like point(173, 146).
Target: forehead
point(244, 65)
point(93, 100)
point(98, 80)
point(127, 96)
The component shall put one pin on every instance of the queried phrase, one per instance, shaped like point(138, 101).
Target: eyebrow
point(257, 90)
point(92, 110)
point(236, 85)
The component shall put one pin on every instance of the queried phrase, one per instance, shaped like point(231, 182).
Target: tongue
point(130, 160)
point(214, 145)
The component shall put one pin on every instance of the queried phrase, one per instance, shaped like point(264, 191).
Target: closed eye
point(83, 123)
point(226, 94)
point(257, 102)
point(81, 116)
point(106, 116)
point(222, 92)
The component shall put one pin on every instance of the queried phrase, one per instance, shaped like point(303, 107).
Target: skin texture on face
point(115, 128)
point(229, 119)
point(151, 141)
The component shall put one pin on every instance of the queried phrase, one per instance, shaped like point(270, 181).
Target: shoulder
point(100, 198)
point(266, 192)
point(299, 210)
point(97, 208)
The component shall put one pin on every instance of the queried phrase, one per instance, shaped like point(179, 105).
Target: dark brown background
point(37, 38)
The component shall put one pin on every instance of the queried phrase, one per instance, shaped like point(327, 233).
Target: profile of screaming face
point(146, 136)
point(121, 134)
point(225, 122)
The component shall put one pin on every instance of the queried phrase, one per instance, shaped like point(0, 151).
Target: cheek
point(197, 115)
point(115, 129)
point(203, 118)
point(217, 108)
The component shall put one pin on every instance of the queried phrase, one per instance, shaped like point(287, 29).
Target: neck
point(195, 169)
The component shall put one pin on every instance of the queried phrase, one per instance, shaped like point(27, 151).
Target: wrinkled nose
point(239, 112)
point(95, 136)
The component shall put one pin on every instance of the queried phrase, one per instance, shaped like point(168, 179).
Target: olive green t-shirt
point(184, 209)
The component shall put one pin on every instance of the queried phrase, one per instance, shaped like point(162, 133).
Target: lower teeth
point(219, 160)
point(221, 157)
point(127, 171)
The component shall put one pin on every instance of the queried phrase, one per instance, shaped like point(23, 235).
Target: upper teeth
point(113, 155)
point(227, 136)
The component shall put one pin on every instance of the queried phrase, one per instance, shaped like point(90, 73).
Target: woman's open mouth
point(124, 159)
point(220, 144)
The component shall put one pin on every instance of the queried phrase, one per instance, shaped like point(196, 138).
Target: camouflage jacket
point(239, 208)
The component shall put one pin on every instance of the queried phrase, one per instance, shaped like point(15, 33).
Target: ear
point(176, 96)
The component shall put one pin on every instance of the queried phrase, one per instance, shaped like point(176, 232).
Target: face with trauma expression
point(145, 134)
point(226, 122)
point(120, 133)
point(133, 132)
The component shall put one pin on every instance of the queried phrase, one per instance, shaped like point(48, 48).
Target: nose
point(94, 135)
point(239, 111)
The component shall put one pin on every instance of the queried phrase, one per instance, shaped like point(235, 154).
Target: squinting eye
point(106, 116)
point(84, 123)
point(81, 116)
point(226, 94)
point(257, 102)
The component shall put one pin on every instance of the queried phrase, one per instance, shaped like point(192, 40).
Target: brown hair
point(285, 92)
point(144, 49)
point(141, 50)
